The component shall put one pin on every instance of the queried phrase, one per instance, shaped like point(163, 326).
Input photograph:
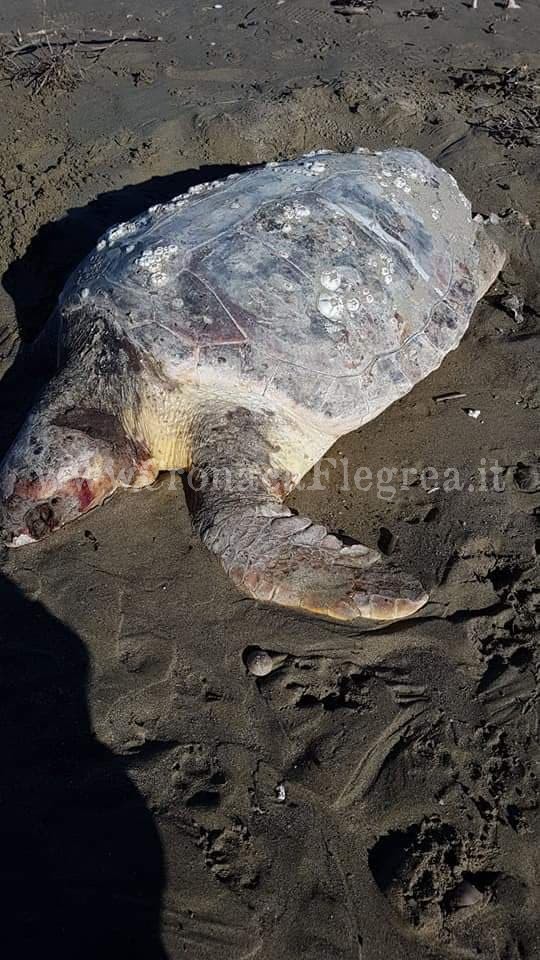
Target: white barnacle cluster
point(117, 233)
point(402, 184)
point(154, 261)
point(417, 175)
point(397, 178)
point(176, 202)
point(293, 213)
point(199, 188)
point(193, 191)
point(382, 264)
point(387, 268)
point(170, 207)
point(314, 168)
point(296, 211)
point(337, 299)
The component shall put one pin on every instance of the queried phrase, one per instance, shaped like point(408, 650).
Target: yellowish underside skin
point(167, 426)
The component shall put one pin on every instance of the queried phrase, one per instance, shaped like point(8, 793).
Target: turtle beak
point(39, 521)
point(27, 518)
point(20, 525)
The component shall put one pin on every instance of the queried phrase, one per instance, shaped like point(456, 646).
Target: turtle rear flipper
point(235, 490)
point(295, 562)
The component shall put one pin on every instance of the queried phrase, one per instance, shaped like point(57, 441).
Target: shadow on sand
point(81, 857)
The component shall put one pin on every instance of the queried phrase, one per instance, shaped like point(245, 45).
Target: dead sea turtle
point(237, 332)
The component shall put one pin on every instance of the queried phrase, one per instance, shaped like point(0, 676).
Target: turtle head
point(47, 480)
point(60, 466)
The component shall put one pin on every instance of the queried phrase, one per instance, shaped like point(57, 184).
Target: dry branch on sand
point(52, 61)
point(42, 68)
point(432, 13)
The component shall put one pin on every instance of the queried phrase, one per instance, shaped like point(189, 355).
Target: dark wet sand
point(141, 816)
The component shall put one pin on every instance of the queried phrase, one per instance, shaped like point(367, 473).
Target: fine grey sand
point(376, 794)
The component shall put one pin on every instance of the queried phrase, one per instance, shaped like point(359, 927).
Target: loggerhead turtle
point(237, 332)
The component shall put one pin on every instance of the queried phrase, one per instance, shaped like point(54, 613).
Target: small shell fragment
point(513, 305)
point(260, 663)
point(472, 413)
point(281, 794)
point(467, 895)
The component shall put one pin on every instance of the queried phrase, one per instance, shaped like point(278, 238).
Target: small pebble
point(281, 795)
point(472, 413)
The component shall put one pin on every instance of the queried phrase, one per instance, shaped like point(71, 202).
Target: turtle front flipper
point(70, 455)
point(235, 492)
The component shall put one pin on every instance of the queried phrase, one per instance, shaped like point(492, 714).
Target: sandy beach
point(376, 795)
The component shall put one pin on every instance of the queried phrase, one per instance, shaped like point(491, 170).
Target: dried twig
point(53, 40)
point(523, 128)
